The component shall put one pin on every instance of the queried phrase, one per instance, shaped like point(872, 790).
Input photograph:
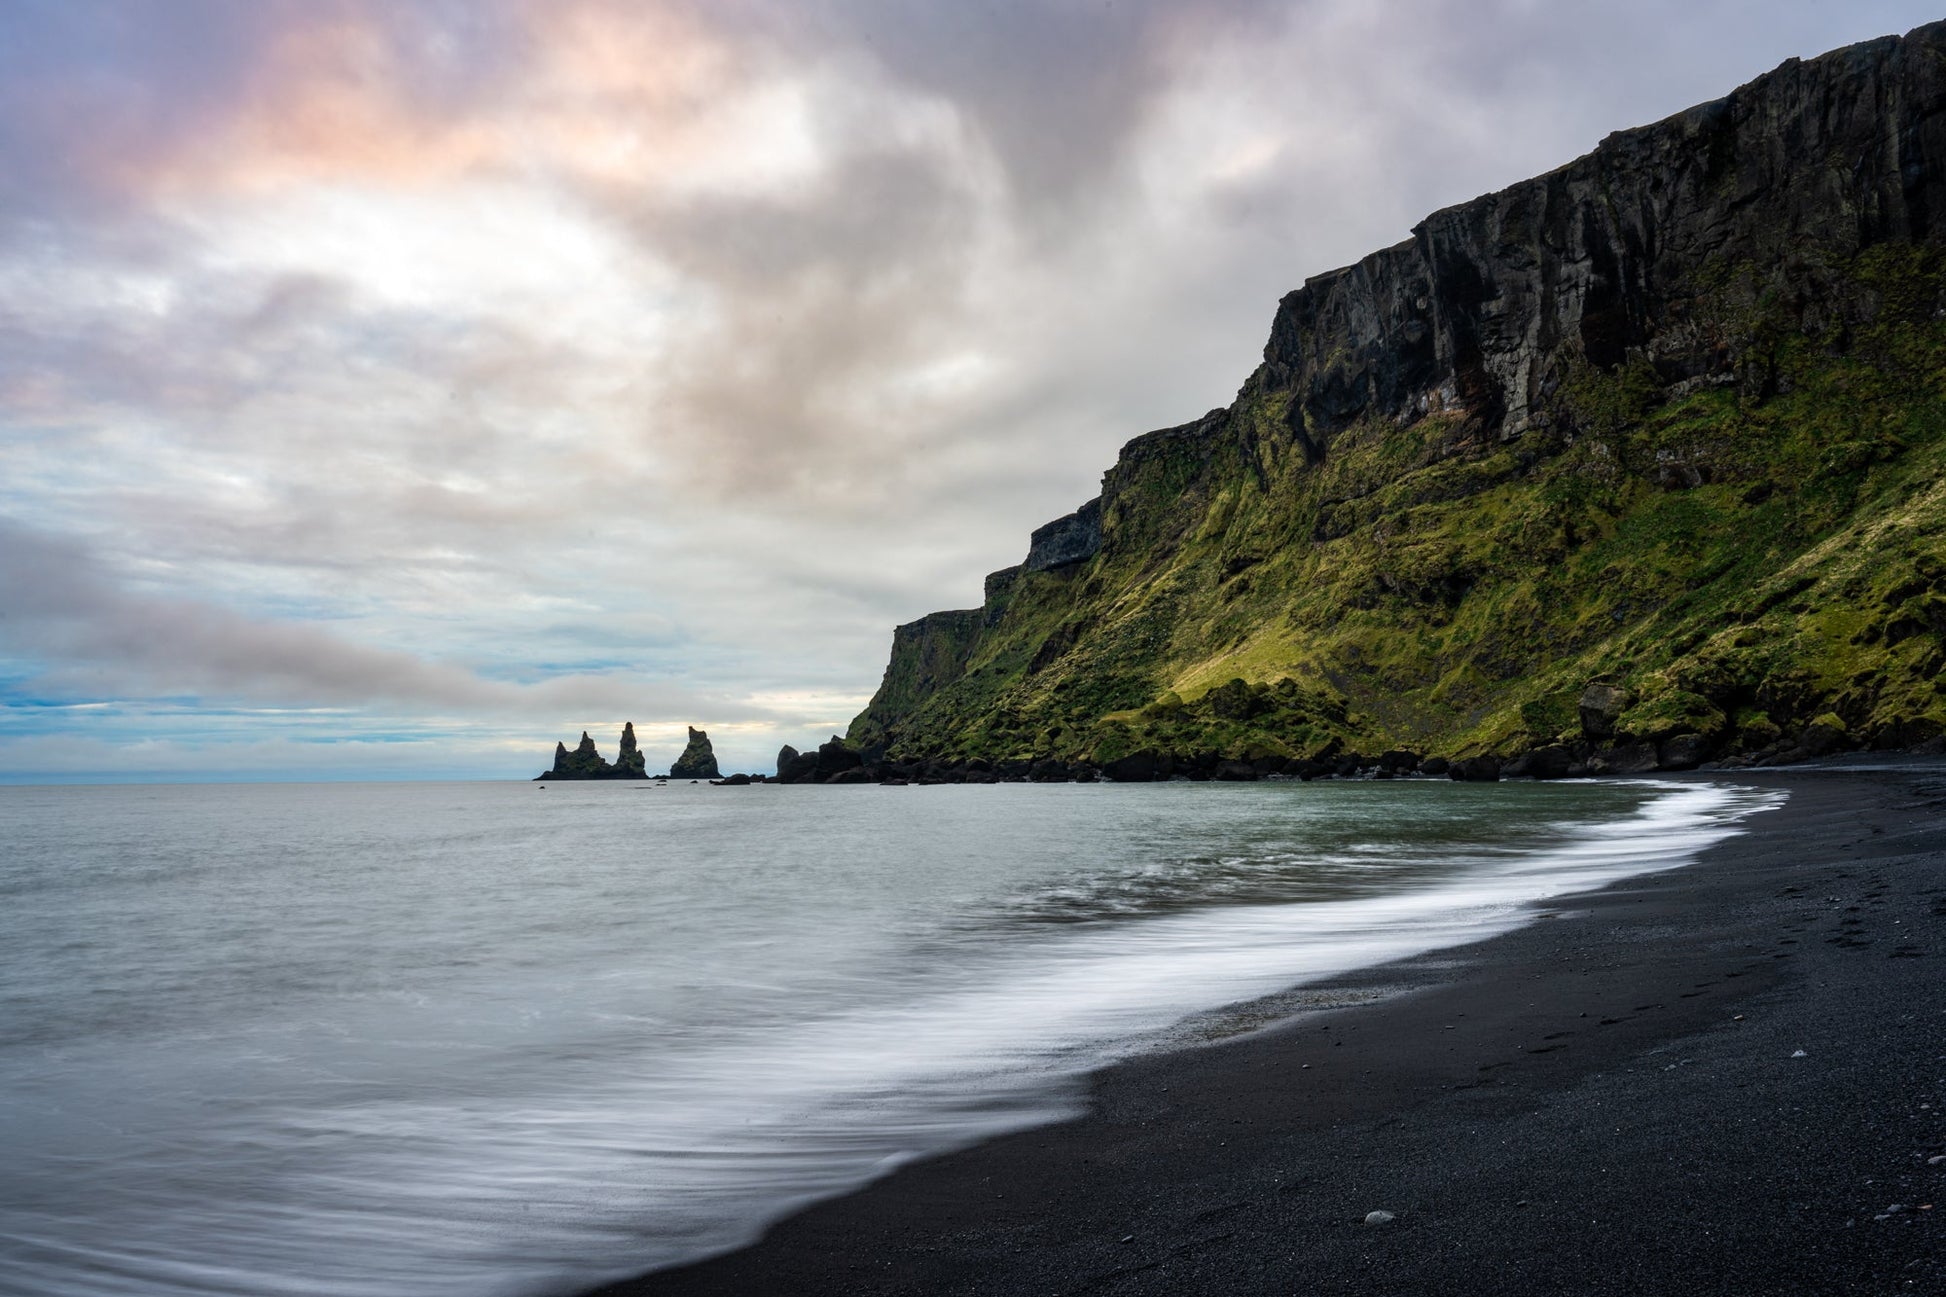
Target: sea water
point(483, 1038)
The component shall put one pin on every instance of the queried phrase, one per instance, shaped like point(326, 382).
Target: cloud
point(550, 359)
point(103, 640)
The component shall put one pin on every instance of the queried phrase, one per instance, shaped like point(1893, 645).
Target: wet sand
point(1610, 1100)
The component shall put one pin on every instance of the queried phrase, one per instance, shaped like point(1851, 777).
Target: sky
point(390, 389)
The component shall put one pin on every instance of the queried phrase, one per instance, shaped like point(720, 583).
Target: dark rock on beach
point(831, 759)
point(1683, 752)
point(1550, 762)
point(1135, 768)
point(794, 767)
point(1601, 709)
point(1398, 761)
point(1627, 759)
point(1484, 770)
point(837, 762)
point(835, 757)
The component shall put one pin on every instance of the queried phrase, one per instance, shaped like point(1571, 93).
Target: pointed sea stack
point(628, 762)
point(587, 763)
point(698, 760)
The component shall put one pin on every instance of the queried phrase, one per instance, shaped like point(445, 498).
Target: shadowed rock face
point(698, 759)
point(1066, 540)
point(582, 763)
point(1658, 420)
point(1483, 309)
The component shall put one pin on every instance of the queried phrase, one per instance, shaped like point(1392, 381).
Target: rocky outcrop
point(1067, 540)
point(698, 759)
point(1601, 709)
point(832, 761)
point(629, 763)
point(582, 763)
point(1475, 770)
point(927, 655)
point(585, 762)
point(1485, 310)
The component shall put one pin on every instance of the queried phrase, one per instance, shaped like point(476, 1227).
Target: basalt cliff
point(1639, 463)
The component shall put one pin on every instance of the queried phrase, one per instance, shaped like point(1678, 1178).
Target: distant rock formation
point(586, 763)
point(698, 760)
point(629, 763)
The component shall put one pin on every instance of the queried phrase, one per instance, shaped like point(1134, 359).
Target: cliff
point(1668, 422)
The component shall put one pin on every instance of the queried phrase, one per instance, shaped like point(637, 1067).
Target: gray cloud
point(1058, 91)
point(693, 439)
point(102, 639)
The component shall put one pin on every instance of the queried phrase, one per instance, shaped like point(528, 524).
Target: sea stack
point(698, 760)
point(628, 762)
point(587, 763)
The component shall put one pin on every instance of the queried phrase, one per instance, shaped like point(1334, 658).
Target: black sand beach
point(1730, 1078)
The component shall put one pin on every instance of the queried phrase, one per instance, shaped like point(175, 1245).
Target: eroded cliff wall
point(1668, 417)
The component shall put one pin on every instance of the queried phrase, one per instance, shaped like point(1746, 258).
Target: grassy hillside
point(1755, 558)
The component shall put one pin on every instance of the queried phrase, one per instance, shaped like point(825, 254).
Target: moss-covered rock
point(698, 759)
point(1672, 712)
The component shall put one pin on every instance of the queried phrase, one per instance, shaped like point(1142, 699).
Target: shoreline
point(1603, 1100)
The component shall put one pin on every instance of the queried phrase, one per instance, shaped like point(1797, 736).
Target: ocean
point(483, 1039)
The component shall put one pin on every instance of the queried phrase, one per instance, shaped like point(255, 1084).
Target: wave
point(655, 1157)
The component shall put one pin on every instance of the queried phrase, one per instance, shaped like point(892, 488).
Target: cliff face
point(1667, 419)
point(1488, 306)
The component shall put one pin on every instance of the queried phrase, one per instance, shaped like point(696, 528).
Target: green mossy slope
point(1757, 558)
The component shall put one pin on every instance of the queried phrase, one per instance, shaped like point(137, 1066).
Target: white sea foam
point(491, 1119)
